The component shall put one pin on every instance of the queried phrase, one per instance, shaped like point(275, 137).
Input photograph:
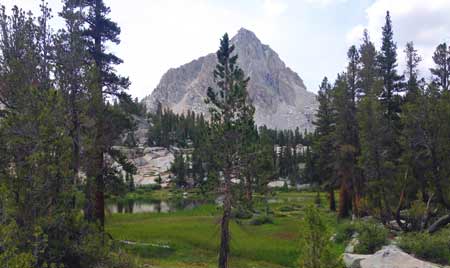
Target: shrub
point(431, 247)
point(372, 236)
point(260, 220)
point(344, 232)
point(316, 246)
point(10, 253)
point(287, 209)
point(147, 188)
point(118, 259)
point(241, 213)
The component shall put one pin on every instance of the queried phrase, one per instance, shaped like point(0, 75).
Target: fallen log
point(441, 222)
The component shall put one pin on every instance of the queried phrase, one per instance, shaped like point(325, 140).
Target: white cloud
point(355, 34)
point(274, 8)
point(160, 34)
point(426, 23)
point(324, 3)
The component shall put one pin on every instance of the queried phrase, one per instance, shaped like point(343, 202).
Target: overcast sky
point(311, 36)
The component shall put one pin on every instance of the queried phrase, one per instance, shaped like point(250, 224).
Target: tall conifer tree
point(441, 71)
point(101, 30)
point(324, 143)
point(231, 113)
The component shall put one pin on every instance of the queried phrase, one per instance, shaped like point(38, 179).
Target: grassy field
point(190, 238)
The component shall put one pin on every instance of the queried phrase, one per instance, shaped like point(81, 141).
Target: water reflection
point(152, 206)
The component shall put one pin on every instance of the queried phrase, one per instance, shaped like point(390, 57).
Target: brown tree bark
point(100, 192)
point(345, 200)
point(99, 139)
point(224, 250)
point(332, 199)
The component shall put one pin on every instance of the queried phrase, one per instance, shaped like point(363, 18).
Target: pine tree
point(353, 71)
point(231, 113)
point(310, 173)
point(426, 135)
point(70, 73)
point(100, 30)
point(179, 169)
point(441, 72)
point(391, 100)
point(324, 142)
point(368, 65)
point(346, 143)
point(387, 60)
point(373, 161)
point(265, 167)
point(412, 62)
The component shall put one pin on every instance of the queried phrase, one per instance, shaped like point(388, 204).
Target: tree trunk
point(332, 199)
point(224, 250)
point(98, 163)
point(398, 218)
point(437, 183)
point(99, 110)
point(344, 199)
point(100, 197)
point(249, 192)
point(89, 206)
point(75, 135)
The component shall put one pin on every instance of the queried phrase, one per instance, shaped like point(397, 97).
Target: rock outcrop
point(278, 93)
point(150, 162)
point(388, 257)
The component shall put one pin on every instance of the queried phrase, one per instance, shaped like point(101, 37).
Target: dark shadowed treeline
point(57, 129)
point(383, 136)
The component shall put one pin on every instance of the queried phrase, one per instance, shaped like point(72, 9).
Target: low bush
point(149, 187)
point(372, 236)
point(287, 209)
point(260, 220)
point(241, 213)
point(430, 247)
point(344, 232)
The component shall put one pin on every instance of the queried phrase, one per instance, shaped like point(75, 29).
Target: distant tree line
point(191, 131)
point(171, 129)
point(382, 138)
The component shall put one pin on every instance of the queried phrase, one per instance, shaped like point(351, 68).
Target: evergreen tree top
point(388, 53)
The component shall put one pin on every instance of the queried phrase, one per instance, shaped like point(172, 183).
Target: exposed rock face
point(153, 162)
point(278, 93)
point(150, 162)
point(387, 257)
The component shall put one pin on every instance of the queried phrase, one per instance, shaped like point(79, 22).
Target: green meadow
point(190, 238)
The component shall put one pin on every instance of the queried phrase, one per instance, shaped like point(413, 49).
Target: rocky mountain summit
point(278, 93)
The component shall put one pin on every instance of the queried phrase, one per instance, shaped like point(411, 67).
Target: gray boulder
point(388, 257)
